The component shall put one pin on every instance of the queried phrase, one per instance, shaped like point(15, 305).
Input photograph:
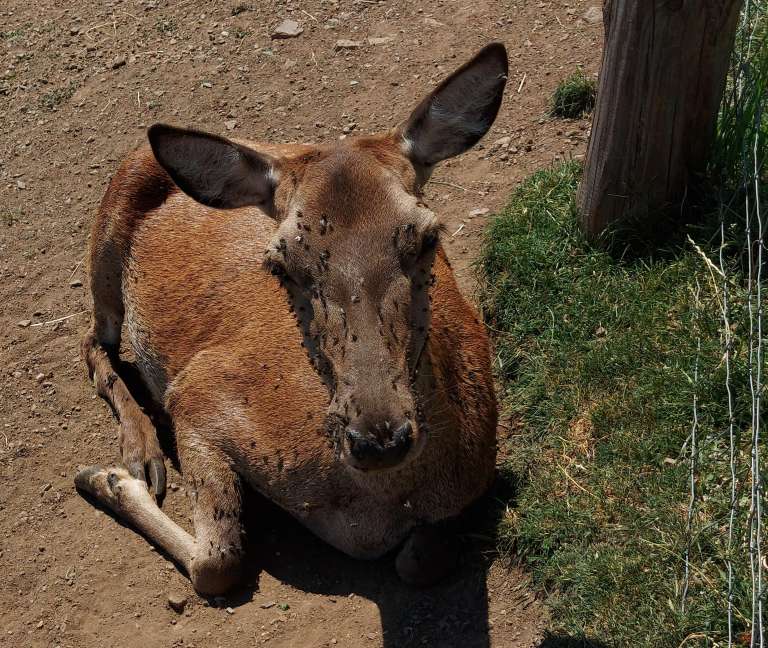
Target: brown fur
point(216, 341)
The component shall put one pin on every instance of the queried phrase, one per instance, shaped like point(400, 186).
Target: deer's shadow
point(452, 613)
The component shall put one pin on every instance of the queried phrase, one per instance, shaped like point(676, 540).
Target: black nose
point(370, 453)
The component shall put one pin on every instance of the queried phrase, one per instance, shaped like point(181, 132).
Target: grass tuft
point(596, 358)
point(165, 25)
point(52, 99)
point(574, 97)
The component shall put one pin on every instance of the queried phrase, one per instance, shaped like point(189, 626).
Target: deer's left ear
point(459, 111)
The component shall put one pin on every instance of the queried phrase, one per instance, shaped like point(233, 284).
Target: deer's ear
point(214, 170)
point(459, 111)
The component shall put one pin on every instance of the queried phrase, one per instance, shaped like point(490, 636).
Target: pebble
point(75, 283)
point(345, 44)
point(177, 602)
point(206, 84)
point(25, 323)
point(40, 377)
point(593, 15)
point(230, 610)
point(480, 211)
point(431, 22)
point(502, 142)
point(230, 124)
point(287, 29)
point(119, 62)
point(21, 184)
point(380, 40)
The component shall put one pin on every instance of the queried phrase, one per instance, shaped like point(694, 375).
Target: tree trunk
point(664, 69)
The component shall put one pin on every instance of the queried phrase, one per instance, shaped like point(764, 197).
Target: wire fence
point(741, 153)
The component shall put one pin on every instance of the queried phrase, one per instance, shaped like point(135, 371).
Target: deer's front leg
point(215, 489)
point(212, 556)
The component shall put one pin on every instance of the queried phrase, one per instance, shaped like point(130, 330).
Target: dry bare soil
point(79, 84)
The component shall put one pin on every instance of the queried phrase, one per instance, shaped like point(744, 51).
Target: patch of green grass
point(574, 97)
point(11, 34)
point(51, 100)
point(596, 357)
point(742, 127)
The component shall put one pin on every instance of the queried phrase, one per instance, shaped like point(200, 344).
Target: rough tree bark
point(664, 69)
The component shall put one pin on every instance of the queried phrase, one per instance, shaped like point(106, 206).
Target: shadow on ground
point(557, 641)
point(451, 614)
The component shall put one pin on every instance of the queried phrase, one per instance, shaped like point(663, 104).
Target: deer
point(293, 312)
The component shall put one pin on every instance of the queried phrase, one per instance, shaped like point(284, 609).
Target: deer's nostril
point(362, 446)
point(366, 448)
point(403, 435)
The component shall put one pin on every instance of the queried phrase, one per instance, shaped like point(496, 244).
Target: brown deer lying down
point(292, 309)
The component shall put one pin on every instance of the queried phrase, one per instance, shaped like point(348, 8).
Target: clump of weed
point(51, 100)
point(11, 34)
point(240, 33)
point(9, 217)
point(165, 25)
point(574, 97)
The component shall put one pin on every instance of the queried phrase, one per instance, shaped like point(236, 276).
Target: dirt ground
point(79, 84)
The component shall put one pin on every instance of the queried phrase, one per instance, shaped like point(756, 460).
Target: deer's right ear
point(214, 170)
point(459, 111)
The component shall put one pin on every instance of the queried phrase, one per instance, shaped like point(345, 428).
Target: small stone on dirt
point(177, 602)
point(502, 142)
point(593, 15)
point(75, 283)
point(230, 610)
point(21, 184)
point(25, 323)
point(346, 44)
point(266, 606)
point(431, 22)
point(206, 84)
point(380, 40)
point(480, 211)
point(40, 377)
point(230, 125)
point(119, 62)
point(287, 29)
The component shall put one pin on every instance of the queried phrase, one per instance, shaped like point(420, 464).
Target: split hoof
point(105, 485)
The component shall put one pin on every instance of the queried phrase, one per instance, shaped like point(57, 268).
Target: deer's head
point(354, 245)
